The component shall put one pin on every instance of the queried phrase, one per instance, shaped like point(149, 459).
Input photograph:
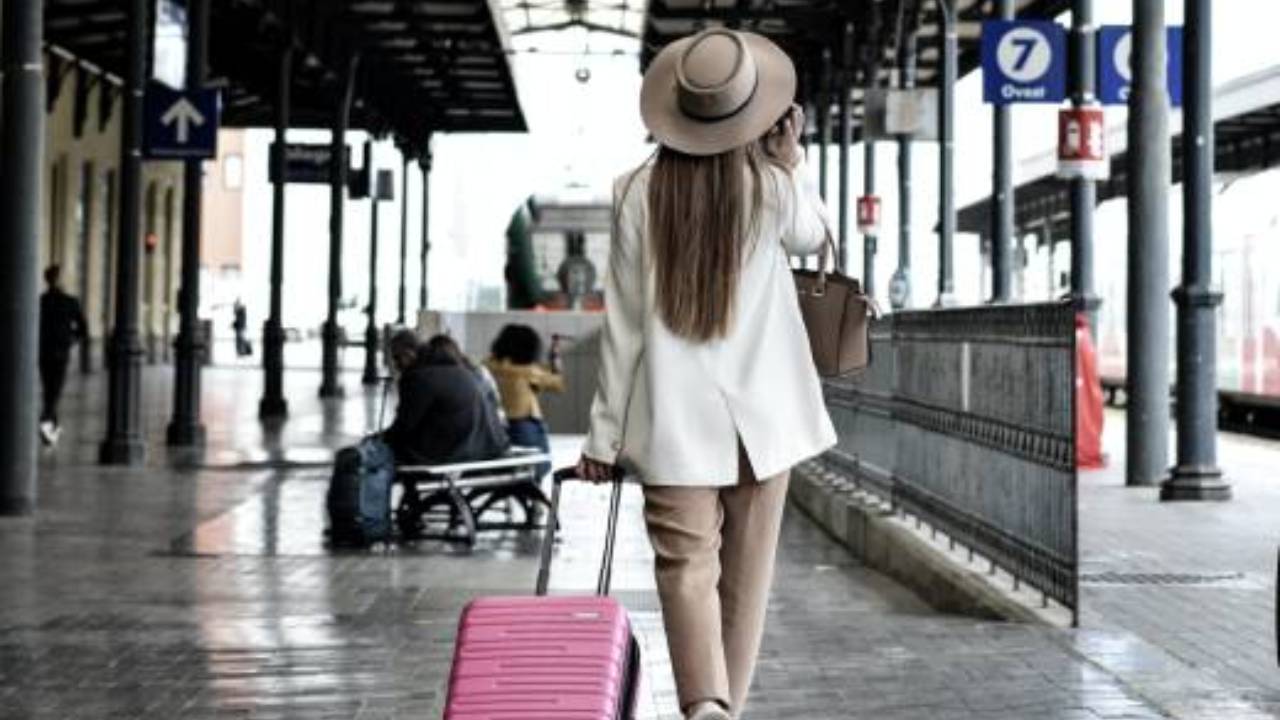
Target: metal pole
point(946, 155)
point(330, 385)
point(806, 139)
point(123, 444)
point(425, 163)
point(1002, 229)
point(1147, 411)
point(273, 404)
point(1050, 244)
point(370, 376)
point(1196, 475)
point(404, 235)
point(900, 284)
point(824, 121)
point(185, 428)
point(21, 160)
point(846, 130)
point(1083, 190)
point(869, 240)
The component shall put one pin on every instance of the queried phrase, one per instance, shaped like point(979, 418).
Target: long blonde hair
point(699, 224)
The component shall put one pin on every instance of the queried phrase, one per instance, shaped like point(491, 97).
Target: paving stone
point(198, 588)
point(1216, 637)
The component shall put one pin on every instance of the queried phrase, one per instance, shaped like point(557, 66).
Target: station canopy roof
point(804, 28)
point(1246, 124)
point(424, 65)
point(617, 17)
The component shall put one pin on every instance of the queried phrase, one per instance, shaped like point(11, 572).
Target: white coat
point(673, 409)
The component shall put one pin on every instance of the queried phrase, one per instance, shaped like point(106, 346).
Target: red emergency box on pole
point(1082, 143)
point(869, 214)
point(1089, 412)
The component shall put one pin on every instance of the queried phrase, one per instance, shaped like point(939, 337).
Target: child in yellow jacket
point(515, 364)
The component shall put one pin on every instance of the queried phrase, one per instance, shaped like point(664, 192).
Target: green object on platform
point(524, 286)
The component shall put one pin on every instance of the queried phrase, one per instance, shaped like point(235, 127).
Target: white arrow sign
point(185, 115)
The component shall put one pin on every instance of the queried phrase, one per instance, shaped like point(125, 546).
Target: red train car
point(1246, 267)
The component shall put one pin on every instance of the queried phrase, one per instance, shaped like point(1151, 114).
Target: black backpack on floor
point(359, 497)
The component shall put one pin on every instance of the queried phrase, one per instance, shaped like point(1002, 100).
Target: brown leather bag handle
point(828, 250)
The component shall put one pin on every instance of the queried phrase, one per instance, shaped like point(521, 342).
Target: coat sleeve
point(805, 222)
point(415, 401)
point(622, 337)
point(544, 380)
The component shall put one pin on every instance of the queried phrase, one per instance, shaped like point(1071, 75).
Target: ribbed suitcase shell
point(543, 658)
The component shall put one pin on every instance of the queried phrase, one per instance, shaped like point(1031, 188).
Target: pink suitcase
point(547, 658)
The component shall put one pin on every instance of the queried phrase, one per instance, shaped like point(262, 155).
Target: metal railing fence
point(965, 420)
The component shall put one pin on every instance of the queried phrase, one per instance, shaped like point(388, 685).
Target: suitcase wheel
point(631, 693)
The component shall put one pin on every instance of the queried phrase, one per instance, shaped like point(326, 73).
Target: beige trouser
point(714, 551)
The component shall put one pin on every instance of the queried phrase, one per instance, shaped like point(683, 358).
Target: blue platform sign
point(1115, 73)
point(1023, 61)
point(180, 125)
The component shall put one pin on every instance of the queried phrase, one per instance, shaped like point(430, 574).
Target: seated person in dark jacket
point(443, 416)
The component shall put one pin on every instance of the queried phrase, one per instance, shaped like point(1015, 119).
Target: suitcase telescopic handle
point(549, 535)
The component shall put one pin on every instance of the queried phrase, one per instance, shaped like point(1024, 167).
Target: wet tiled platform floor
point(206, 593)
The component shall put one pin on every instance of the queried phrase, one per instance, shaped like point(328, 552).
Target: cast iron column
point(1196, 475)
point(404, 235)
point(846, 131)
point(946, 155)
point(1083, 190)
point(21, 179)
point(900, 284)
point(1147, 386)
point(1002, 197)
point(824, 121)
point(425, 163)
point(868, 240)
point(124, 444)
point(185, 428)
point(273, 404)
point(842, 246)
point(330, 385)
point(370, 376)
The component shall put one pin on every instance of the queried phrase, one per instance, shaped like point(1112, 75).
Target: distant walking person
point(240, 324)
point(707, 387)
point(62, 325)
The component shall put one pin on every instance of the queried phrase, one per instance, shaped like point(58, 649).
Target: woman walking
point(707, 388)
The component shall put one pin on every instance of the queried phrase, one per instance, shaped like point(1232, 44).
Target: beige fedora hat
point(716, 90)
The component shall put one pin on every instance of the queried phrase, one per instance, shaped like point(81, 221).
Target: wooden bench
point(460, 494)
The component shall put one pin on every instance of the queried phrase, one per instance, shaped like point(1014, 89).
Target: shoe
point(47, 433)
point(708, 711)
point(55, 434)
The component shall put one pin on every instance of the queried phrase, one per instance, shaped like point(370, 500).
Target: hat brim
point(670, 126)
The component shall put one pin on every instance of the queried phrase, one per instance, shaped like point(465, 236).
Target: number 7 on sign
point(1025, 45)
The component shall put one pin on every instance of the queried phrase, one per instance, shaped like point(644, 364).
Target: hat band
point(726, 115)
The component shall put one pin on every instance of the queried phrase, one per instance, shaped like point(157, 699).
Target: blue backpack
point(359, 497)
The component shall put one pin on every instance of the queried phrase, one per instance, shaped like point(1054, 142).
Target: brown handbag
point(837, 316)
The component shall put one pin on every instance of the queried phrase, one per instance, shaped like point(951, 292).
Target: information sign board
point(305, 163)
point(1115, 71)
point(180, 124)
point(1023, 61)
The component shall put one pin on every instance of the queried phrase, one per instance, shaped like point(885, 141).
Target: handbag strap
point(828, 251)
